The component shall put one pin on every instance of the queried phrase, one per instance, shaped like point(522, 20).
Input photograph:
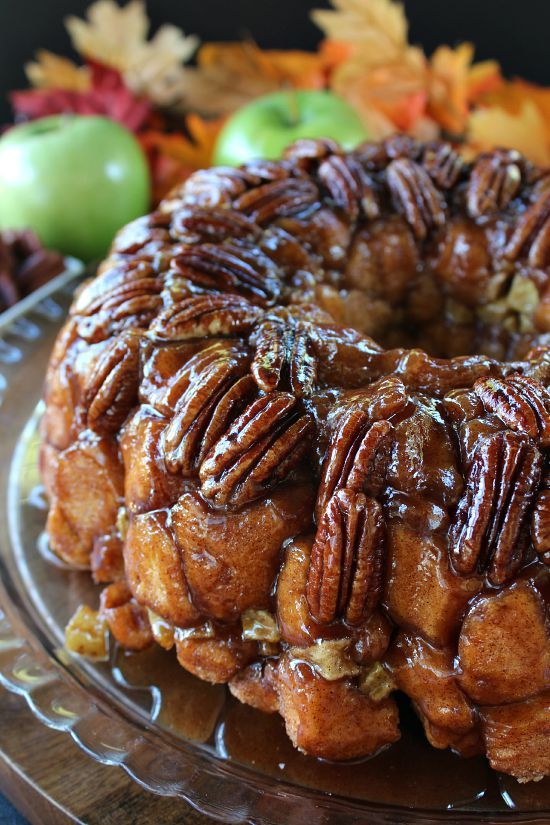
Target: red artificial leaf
point(108, 96)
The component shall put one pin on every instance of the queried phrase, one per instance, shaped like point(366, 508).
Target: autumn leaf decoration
point(177, 108)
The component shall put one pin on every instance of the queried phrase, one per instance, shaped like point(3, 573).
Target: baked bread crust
point(313, 517)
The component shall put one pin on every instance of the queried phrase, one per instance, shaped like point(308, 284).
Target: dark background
point(516, 32)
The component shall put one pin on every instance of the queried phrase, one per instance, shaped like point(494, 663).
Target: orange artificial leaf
point(448, 101)
point(525, 131)
point(334, 53)
point(228, 75)
point(373, 66)
point(49, 71)
point(388, 97)
point(484, 77)
point(377, 27)
point(175, 156)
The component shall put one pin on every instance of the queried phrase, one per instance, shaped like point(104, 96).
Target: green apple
point(265, 127)
point(74, 179)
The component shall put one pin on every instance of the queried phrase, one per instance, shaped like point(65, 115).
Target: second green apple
point(266, 126)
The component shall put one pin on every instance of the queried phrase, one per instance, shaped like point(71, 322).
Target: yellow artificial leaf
point(158, 72)
point(448, 88)
point(512, 95)
point(117, 37)
point(49, 71)
point(112, 35)
point(525, 131)
point(378, 27)
point(228, 75)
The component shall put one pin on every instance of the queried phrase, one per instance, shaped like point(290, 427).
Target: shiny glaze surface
point(315, 518)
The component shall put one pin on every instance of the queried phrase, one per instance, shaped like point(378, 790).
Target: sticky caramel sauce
point(410, 773)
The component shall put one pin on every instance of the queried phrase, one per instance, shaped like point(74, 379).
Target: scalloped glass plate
point(173, 734)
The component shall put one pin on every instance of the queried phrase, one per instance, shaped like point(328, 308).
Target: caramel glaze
point(317, 519)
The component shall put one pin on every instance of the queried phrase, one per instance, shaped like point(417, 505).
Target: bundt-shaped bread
point(315, 518)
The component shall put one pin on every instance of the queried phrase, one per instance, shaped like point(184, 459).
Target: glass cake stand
point(173, 734)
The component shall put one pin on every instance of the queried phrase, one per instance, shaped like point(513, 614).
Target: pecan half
point(268, 169)
point(284, 350)
point(258, 451)
point(531, 236)
point(211, 402)
point(121, 276)
point(349, 186)
point(521, 403)
point(443, 164)
point(540, 524)
point(495, 180)
point(377, 155)
point(169, 389)
point(111, 389)
point(415, 196)
point(217, 186)
point(278, 199)
point(402, 146)
point(131, 304)
point(489, 534)
point(357, 458)
point(137, 236)
point(345, 568)
point(215, 223)
point(222, 269)
point(205, 316)
point(311, 149)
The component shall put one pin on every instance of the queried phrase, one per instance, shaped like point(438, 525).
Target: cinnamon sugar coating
point(309, 400)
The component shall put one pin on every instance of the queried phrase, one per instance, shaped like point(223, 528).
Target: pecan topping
point(258, 451)
point(278, 199)
point(205, 316)
point(415, 196)
point(532, 234)
point(349, 186)
point(222, 269)
point(112, 387)
point(170, 389)
point(137, 235)
point(521, 403)
point(215, 223)
point(402, 146)
point(268, 169)
point(345, 568)
point(212, 400)
point(284, 350)
point(123, 277)
point(495, 180)
point(217, 186)
point(311, 149)
point(377, 155)
point(130, 304)
point(443, 164)
point(357, 458)
point(540, 525)
point(489, 532)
